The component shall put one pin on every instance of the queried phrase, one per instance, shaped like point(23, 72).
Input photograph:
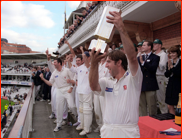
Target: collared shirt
point(103, 71)
point(121, 98)
point(162, 63)
point(146, 56)
point(83, 79)
point(59, 78)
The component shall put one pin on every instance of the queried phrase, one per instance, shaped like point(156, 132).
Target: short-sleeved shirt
point(121, 98)
point(59, 78)
point(83, 79)
point(103, 71)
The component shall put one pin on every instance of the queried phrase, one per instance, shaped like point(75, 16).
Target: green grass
point(3, 103)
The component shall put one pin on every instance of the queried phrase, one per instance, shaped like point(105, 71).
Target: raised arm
point(43, 79)
point(127, 43)
point(71, 49)
point(50, 65)
point(94, 74)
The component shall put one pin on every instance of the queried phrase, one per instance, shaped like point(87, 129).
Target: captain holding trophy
point(121, 91)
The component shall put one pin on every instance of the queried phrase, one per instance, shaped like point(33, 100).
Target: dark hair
point(79, 56)
point(114, 45)
point(59, 60)
point(35, 67)
point(149, 43)
point(175, 48)
point(116, 55)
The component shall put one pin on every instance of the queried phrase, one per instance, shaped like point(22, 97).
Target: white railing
point(23, 124)
point(87, 28)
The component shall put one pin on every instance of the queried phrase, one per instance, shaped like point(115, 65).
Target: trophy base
point(99, 53)
point(98, 44)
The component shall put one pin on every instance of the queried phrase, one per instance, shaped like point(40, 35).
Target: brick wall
point(169, 32)
point(9, 47)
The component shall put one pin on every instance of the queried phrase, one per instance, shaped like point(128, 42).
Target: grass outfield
point(3, 103)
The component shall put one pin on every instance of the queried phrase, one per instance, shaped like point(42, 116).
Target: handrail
point(23, 122)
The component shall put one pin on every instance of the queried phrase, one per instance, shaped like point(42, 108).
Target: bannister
point(23, 124)
point(87, 28)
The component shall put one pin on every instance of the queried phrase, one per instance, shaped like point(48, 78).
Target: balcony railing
point(86, 30)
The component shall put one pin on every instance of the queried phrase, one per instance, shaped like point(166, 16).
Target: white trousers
point(161, 94)
point(53, 104)
point(99, 104)
point(120, 131)
point(77, 105)
point(53, 99)
point(85, 109)
point(61, 96)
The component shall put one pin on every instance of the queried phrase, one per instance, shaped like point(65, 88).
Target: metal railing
point(23, 124)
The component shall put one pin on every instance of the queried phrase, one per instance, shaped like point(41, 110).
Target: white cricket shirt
point(60, 78)
point(83, 79)
point(121, 98)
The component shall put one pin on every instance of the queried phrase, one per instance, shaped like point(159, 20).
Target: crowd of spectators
point(77, 22)
point(16, 69)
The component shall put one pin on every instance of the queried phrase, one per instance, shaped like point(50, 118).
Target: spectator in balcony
point(114, 46)
point(173, 72)
point(84, 13)
point(94, 4)
point(139, 46)
point(78, 20)
point(47, 89)
point(121, 48)
point(149, 64)
point(75, 25)
point(37, 80)
point(88, 9)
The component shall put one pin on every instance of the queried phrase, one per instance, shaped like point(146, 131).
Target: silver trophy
point(104, 31)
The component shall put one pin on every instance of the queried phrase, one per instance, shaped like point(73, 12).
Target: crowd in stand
point(18, 99)
point(77, 22)
point(119, 86)
point(15, 69)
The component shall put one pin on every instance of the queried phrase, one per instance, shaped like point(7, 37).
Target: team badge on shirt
point(56, 76)
point(109, 89)
point(80, 70)
point(127, 73)
point(125, 87)
point(86, 72)
point(65, 77)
